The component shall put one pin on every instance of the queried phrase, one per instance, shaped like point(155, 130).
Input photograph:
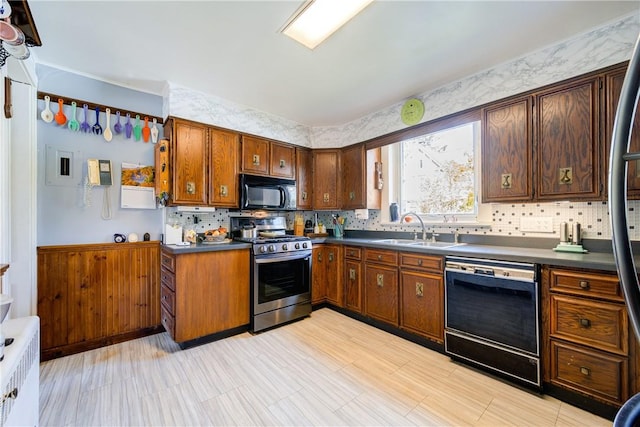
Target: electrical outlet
point(539, 224)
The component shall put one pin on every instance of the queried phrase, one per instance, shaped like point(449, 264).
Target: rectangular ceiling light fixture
point(316, 20)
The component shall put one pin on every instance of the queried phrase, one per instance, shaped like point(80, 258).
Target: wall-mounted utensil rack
point(93, 106)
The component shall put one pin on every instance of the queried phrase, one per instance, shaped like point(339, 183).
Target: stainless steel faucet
point(424, 230)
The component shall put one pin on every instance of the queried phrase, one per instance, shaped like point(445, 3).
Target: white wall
point(63, 215)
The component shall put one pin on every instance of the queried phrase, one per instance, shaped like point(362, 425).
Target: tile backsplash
point(504, 220)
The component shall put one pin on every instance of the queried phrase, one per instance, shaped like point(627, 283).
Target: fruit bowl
point(218, 238)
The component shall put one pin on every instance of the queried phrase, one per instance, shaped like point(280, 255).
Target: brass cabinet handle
point(191, 187)
point(585, 371)
point(330, 256)
point(419, 262)
point(419, 289)
point(352, 274)
point(565, 176)
point(282, 163)
point(256, 160)
point(224, 191)
point(506, 181)
point(585, 323)
point(584, 285)
point(304, 195)
point(352, 195)
point(379, 257)
point(319, 257)
point(380, 279)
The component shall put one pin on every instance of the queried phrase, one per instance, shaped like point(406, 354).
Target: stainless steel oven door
point(281, 280)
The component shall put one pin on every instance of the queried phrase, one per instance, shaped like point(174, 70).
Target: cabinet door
point(381, 293)
point(325, 179)
point(334, 275)
point(353, 177)
point(353, 285)
point(189, 154)
point(507, 152)
point(319, 275)
point(422, 311)
point(614, 87)
point(568, 138)
point(255, 155)
point(283, 161)
point(223, 180)
point(304, 166)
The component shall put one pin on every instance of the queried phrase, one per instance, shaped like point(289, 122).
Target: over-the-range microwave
point(263, 192)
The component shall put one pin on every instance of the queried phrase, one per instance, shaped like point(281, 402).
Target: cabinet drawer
point(599, 324)
point(587, 284)
point(352, 253)
point(168, 321)
point(168, 261)
point(381, 256)
point(410, 260)
point(597, 374)
point(168, 299)
point(168, 278)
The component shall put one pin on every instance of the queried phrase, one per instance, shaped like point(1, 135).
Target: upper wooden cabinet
point(507, 151)
point(568, 141)
point(613, 84)
point(354, 184)
point(223, 160)
point(204, 164)
point(304, 183)
point(326, 170)
point(263, 157)
point(545, 145)
point(189, 155)
point(255, 155)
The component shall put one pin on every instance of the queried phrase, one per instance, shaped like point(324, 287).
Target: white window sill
point(432, 224)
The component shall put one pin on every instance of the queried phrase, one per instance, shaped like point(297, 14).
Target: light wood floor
point(324, 370)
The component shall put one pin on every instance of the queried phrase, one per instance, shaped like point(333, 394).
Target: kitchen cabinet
point(326, 173)
point(326, 283)
point(507, 151)
point(189, 155)
point(422, 295)
point(613, 84)
point(353, 278)
point(223, 173)
point(263, 157)
point(568, 141)
point(304, 180)
point(589, 345)
point(381, 285)
point(204, 293)
point(553, 132)
point(361, 177)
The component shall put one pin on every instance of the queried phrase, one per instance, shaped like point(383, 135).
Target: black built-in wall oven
point(492, 316)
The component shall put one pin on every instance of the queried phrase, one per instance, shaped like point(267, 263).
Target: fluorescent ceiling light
point(318, 19)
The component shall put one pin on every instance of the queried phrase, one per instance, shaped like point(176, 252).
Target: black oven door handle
point(289, 257)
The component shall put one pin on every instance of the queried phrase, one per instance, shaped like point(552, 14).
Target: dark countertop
point(497, 250)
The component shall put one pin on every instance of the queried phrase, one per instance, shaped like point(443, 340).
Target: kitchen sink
point(410, 242)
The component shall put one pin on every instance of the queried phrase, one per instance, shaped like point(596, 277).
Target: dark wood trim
point(92, 106)
point(66, 350)
point(95, 246)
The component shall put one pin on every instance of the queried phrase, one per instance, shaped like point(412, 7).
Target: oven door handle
point(279, 258)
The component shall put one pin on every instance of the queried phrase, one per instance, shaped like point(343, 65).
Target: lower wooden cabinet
point(588, 347)
point(204, 292)
point(353, 279)
point(381, 285)
point(326, 267)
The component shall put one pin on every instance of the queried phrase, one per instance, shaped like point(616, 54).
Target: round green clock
point(412, 112)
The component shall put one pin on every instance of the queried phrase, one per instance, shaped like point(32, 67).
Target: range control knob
point(297, 245)
point(285, 247)
point(272, 248)
point(304, 245)
point(263, 249)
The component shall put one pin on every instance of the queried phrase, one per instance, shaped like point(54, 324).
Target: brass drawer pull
point(585, 371)
point(379, 257)
point(585, 323)
point(419, 262)
point(584, 285)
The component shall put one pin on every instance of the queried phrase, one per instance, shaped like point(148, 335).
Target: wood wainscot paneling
point(92, 295)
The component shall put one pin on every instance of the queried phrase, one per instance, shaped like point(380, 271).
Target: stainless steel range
point(280, 273)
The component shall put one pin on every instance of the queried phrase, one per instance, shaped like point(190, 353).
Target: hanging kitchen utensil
point(73, 124)
point(97, 129)
point(47, 114)
point(128, 128)
point(154, 131)
point(61, 119)
point(117, 128)
point(84, 126)
point(107, 131)
point(146, 130)
point(137, 129)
